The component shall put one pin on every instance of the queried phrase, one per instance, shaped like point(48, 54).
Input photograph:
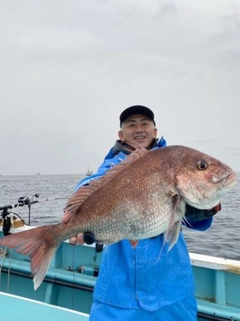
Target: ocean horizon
point(222, 239)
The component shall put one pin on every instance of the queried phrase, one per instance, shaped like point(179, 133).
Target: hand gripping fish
point(142, 197)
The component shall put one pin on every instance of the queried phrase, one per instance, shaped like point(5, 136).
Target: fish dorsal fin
point(84, 192)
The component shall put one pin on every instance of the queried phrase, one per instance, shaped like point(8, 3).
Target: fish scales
point(143, 196)
point(112, 210)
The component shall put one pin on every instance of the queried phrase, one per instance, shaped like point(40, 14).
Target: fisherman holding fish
point(136, 204)
point(143, 279)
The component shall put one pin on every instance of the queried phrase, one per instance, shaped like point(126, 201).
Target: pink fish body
point(144, 196)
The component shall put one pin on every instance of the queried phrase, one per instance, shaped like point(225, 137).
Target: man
point(134, 282)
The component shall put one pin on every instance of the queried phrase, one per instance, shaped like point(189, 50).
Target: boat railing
point(217, 286)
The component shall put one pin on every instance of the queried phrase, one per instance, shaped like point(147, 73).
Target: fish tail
point(39, 244)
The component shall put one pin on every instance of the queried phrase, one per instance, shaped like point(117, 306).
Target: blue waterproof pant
point(184, 310)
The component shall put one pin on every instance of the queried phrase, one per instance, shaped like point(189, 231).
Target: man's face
point(138, 130)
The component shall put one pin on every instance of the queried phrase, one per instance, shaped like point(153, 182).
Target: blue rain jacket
point(143, 277)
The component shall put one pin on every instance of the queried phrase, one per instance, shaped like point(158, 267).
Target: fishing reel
point(89, 239)
point(9, 216)
point(24, 200)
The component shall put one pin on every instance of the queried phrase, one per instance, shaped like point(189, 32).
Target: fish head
point(202, 180)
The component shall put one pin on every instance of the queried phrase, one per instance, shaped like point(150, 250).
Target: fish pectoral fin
point(171, 235)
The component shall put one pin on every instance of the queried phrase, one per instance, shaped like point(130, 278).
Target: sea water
point(222, 239)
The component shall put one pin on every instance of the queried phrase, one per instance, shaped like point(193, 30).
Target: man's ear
point(120, 135)
point(155, 132)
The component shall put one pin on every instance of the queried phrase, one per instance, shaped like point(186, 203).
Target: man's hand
point(79, 239)
point(216, 208)
point(193, 214)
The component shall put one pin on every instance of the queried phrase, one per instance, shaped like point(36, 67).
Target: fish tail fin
point(39, 244)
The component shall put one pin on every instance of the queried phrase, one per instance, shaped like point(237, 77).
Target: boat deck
point(22, 309)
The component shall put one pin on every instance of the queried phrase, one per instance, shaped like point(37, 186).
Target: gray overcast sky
point(69, 67)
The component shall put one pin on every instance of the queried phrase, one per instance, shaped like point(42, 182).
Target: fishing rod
point(8, 216)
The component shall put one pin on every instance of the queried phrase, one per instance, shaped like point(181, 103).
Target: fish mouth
point(228, 181)
point(223, 185)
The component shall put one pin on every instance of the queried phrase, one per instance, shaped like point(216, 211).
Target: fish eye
point(202, 165)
